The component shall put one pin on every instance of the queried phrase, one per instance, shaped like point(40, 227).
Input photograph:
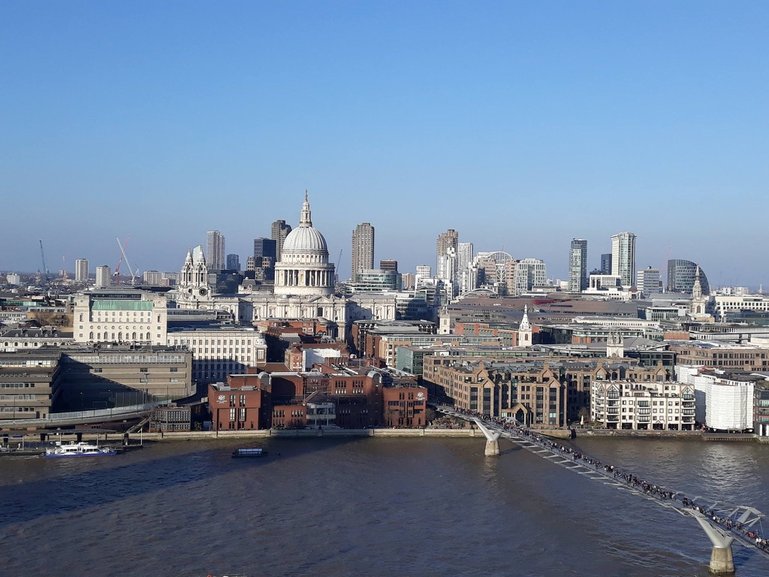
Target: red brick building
point(241, 404)
point(404, 406)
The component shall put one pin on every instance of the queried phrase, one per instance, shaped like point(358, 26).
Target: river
point(368, 507)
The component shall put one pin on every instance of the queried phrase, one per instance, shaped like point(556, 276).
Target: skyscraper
point(81, 270)
point(265, 247)
point(465, 272)
point(233, 262)
point(103, 276)
point(446, 247)
point(215, 253)
point(623, 257)
point(578, 265)
point(362, 248)
point(681, 275)
point(388, 264)
point(606, 263)
point(280, 231)
point(648, 281)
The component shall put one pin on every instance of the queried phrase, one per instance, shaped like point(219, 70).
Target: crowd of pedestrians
point(632, 481)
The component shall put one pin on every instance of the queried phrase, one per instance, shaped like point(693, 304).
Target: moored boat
point(79, 450)
point(249, 452)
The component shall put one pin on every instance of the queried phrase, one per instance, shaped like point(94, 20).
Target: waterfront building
point(103, 277)
point(120, 316)
point(240, 404)
point(405, 406)
point(280, 231)
point(726, 399)
point(30, 383)
point(528, 392)
point(118, 375)
point(81, 270)
point(578, 265)
point(661, 405)
point(215, 251)
point(362, 249)
point(681, 274)
point(623, 257)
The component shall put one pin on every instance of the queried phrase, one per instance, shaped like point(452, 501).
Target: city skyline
point(519, 126)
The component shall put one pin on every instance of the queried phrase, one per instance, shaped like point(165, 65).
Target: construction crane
point(128, 264)
point(42, 257)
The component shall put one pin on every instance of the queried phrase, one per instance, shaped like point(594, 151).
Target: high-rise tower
point(362, 248)
point(215, 253)
point(81, 270)
point(578, 265)
point(623, 257)
point(280, 231)
point(446, 248)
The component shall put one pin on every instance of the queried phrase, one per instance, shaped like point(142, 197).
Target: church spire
point(697, 287)
point(306, 217)
point(525, 324)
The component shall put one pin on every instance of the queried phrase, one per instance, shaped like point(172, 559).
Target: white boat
point(79, 450)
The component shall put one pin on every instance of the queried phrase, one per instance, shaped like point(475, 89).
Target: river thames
point(368, 507)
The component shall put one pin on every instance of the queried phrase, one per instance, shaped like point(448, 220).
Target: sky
point(521, 125)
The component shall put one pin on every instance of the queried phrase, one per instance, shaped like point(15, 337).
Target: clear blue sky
point(520, 124)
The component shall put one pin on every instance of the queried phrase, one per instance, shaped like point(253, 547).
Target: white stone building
point(120, 316)
point(219, 352)
point(653, 405)
point(725, 402)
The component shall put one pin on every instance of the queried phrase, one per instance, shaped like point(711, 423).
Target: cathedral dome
point(304, 239)
point(304, 243)
point(303, 268)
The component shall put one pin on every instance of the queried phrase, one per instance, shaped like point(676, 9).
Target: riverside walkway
point(722, 522)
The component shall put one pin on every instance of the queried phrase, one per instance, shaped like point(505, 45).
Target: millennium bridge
point(723, 523)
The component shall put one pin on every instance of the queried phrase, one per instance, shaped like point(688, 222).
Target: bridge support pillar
point(492, 440)
point(721, 561)
point(492, 448)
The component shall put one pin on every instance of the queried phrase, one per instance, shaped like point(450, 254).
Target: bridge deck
point(737, 522)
